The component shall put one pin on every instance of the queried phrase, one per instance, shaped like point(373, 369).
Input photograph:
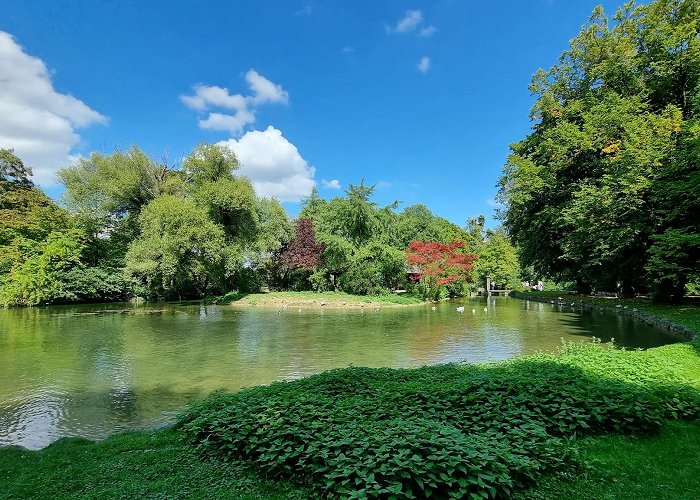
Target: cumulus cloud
point(241, 108)
point(424, 64)
point(36, 121)
point(408, 23)
point(273, 164)
point(332, 184)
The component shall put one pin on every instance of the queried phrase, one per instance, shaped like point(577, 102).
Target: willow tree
point(613, 119)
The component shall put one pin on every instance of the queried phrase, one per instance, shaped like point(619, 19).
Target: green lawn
point(148, 464)
point(627, 467)
point(322, 299)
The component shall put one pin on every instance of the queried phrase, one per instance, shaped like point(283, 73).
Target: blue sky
point(420, 98)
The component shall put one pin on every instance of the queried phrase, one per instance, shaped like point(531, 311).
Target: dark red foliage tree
point(303, 251)
point(439, 263)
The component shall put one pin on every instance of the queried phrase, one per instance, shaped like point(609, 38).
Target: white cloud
point(264, 91)
point(205, 96)
point(231, 123)
point(424, 64)
point(332, 184)
point(427, 31)
point(273, 164)
point(242, 108)
point(35, 120)
point(408, 22)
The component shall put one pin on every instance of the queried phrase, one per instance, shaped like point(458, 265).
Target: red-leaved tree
point(303, 251)
point(439, 263)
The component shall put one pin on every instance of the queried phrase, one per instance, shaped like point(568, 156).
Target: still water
point(93, 370)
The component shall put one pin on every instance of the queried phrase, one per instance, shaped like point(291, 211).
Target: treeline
point(134, 227)
point(605, 191)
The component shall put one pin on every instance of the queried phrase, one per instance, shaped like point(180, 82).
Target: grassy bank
point(307, 300)
point(145, 464)
point(591, 422)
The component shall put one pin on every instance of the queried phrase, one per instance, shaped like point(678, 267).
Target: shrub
point(452, 430)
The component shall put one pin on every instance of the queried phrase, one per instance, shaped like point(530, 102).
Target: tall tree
point(609, 119)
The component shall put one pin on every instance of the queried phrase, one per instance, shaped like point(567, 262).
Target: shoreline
point(680, 331)
point(320, 301)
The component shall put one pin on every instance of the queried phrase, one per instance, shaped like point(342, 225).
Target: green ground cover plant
point(457, 431)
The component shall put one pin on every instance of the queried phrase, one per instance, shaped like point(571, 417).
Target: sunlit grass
point(322, 299)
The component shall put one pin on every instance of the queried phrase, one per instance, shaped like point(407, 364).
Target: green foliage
point(52, 271)
point(445, 430)
point(27, 216)
point(180, 249)
point(598, 192)
point(375, 269)
point(13, 171)
point(209, 163)
point(102, 187)
point(365, 243)
point(498, 260)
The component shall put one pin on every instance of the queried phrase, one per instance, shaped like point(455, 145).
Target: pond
point(97, 369)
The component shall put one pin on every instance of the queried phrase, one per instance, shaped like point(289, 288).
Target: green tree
point(13, 170)
point(498, 260)
point(579, 190)
point(106, 194)
point(180, 252)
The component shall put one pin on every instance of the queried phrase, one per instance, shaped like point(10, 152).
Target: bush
point(446, 430)
point(363, 278)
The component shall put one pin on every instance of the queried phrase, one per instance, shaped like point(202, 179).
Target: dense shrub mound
point(447, 431)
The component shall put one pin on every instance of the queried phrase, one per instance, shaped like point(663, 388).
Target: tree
point(292, 265)
point(303, 251)
point(374, 269)
point(579, 190)
point(180, 252)
point(105, 187)
point(106, 194)
point(497, 260)
point(439, 264)
point(209, 163)
point(675, 250)
point(13, 170)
